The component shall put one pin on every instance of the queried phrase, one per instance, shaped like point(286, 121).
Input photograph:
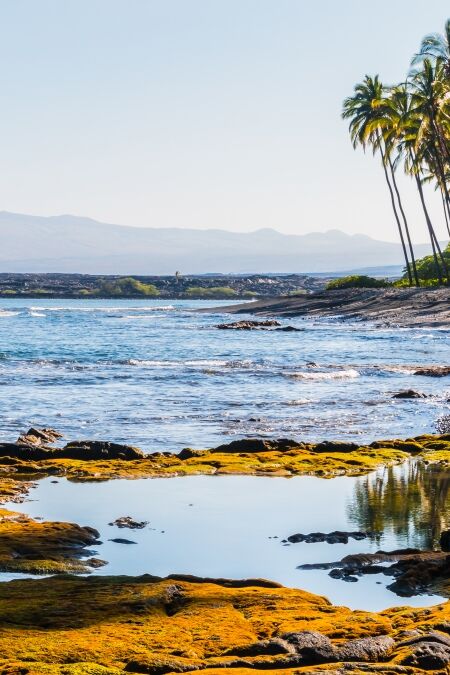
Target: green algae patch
point(87, 462)
point(85, 626)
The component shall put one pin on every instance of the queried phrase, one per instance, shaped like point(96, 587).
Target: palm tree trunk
point(445, 204)
point(405, 222)
point(394, 208)
point(434, 241)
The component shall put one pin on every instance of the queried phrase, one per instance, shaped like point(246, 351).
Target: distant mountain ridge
point(73, 244)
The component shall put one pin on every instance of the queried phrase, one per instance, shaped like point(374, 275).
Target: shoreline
point(402, 307)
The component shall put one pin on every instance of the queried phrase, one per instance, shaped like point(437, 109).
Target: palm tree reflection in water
point(410, 502)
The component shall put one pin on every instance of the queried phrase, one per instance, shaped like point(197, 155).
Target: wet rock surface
point(414, 571)
point(433, 371)
point(249, 325)
point(130, 523)
point(409, 393)
point(336, 537)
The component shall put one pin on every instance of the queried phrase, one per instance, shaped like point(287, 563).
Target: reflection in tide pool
point(233, 526)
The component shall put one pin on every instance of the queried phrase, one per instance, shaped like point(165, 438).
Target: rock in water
point(249, 325)
point(128, 521)
point(409, 393)
point(35, 436)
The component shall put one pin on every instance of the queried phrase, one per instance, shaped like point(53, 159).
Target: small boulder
point(409, 393)
point(313, 647)
point(367, 649)
point(335, 446)
point(128, 521)
point(428, 656)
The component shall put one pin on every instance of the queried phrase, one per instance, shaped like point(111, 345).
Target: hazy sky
point(200, 113)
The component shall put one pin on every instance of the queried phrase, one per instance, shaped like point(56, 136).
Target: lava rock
point(128, 521)
point(409, 393)
point(313, 647)
point(433, 371)
point(249, 325)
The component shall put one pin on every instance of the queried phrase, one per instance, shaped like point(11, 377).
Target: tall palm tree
point(366, 110)
point(436, 48)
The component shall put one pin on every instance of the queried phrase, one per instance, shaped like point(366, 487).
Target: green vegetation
point(357, 281)
point(126, 287)
point(408, 125)
point(427, 269)
point(217, 292)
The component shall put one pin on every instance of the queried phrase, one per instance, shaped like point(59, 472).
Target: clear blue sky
point(200, 113)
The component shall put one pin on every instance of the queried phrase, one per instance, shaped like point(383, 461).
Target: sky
point(201, 113)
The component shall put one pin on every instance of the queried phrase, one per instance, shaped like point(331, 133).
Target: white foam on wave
point(38, 314)
point(6, 312)
point(299, 401)
point(152, 308)
point(351, 373)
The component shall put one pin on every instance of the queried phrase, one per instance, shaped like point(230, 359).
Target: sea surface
point(159, 375)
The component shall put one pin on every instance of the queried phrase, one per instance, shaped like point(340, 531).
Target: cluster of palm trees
point(408, 125)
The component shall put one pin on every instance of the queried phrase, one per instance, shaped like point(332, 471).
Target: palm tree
point(436, 48)
point(366, 110)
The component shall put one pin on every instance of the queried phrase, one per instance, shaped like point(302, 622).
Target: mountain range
point(75, 244)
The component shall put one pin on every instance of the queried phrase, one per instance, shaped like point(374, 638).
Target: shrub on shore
point(357, 281)
point(217, 292)
point(126, 287)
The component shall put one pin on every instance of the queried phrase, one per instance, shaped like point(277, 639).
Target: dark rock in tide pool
point(128, 521)
point(409, 393)
point(444, 541)
point(336, 537)
point(249, 325)
point(122, 541)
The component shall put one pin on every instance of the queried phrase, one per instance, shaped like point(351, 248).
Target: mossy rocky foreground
point(78, 625)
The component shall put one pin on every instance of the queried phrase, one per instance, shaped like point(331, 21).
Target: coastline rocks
point(336, 537)
point(129, 522)
point(78, 450)
point(95, 450)
point(313, 647)
point(335, 446)
point(433, 371)
point(409, 393)
point(254, 445)
point(249, 325)
point(35, 436)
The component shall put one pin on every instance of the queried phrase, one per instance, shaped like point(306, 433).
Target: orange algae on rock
point(183, 624)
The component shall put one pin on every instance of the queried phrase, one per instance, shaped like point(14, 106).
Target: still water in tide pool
point(233, 526)
point(156, 374)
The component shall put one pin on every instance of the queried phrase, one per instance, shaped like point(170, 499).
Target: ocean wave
point(4, 313)
point(350, 373)
point(37, 314)
point(299, 401)
point(60, 308)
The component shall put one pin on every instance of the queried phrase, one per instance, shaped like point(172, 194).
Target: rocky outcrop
point(336, 537)
point(249, 325)
point(433, 371)
point(38, 437)
point(77, 450)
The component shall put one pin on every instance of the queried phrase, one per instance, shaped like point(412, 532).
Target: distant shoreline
point(403, 307)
